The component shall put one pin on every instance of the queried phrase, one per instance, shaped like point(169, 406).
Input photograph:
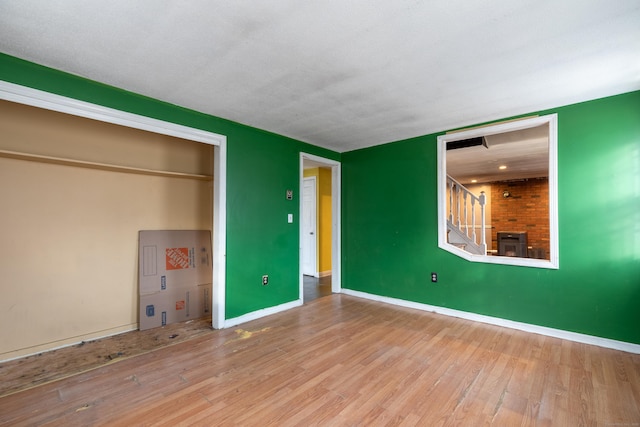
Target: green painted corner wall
point(390, 243)
point(389, 217)
point(261, 166)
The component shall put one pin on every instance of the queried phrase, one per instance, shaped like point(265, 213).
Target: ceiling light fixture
point(503, 167)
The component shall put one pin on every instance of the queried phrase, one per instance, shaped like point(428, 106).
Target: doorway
point(319, 227)
point(309, 227)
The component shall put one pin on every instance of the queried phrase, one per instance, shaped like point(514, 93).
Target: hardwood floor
point(343, 361)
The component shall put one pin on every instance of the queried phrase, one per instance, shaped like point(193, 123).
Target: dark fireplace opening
point(512, 244)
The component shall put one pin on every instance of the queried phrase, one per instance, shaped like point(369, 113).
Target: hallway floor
point(315, 288)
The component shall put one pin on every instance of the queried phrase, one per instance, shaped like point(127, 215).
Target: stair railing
point(461, 201)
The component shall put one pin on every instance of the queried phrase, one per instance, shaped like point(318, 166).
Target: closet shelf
point(100, 166)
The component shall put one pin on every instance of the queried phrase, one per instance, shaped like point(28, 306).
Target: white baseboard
point(261, 313)
point(526, 327)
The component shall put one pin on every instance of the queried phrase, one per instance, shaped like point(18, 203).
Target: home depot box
point(173, 259)
point(174, 305)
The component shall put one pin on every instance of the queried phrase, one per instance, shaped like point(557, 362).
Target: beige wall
point(31, 130)
point(68, 258)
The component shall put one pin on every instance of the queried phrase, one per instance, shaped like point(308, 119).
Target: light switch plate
point(290, 218)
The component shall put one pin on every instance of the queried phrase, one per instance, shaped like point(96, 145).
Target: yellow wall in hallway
point(323, 206)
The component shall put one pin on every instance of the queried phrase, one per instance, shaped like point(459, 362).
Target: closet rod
point(100, 166)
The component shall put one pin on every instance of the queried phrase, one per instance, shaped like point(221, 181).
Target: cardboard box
point(173, 259)
point(175, 276)
point(174, 305)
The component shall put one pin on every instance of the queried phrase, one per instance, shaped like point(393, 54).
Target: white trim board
point(526, 327)
point(552, 121)
point(303, 248)
point(254, 315)
point(50, 101)
point(63, 104)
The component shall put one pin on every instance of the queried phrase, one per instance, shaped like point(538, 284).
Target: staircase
point(461, 218)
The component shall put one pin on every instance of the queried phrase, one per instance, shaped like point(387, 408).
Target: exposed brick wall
point(527, 209)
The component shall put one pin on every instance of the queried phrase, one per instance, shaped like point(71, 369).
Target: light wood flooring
point(344, 361)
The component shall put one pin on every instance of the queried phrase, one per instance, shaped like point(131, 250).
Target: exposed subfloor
point(31, 371)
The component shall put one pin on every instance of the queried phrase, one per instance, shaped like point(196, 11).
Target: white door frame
point(305, 249)
point(50, 101)
point(336, 222)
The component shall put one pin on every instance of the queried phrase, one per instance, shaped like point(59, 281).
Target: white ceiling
point(524, 153)
point(341, 74)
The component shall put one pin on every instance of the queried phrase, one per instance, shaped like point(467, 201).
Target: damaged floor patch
point(43, 368)
point(243, 335)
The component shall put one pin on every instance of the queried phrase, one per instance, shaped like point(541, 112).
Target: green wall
point(390, 243)
point(390, 216)
point(261, 166)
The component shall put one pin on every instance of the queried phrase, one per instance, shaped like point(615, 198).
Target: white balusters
point(473, 219)
point(450, 183)
point(458, 209)
point(461, 200)
point(482, 200)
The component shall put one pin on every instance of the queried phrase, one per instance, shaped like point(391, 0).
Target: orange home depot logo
point(180, 305)
point(177, 258)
